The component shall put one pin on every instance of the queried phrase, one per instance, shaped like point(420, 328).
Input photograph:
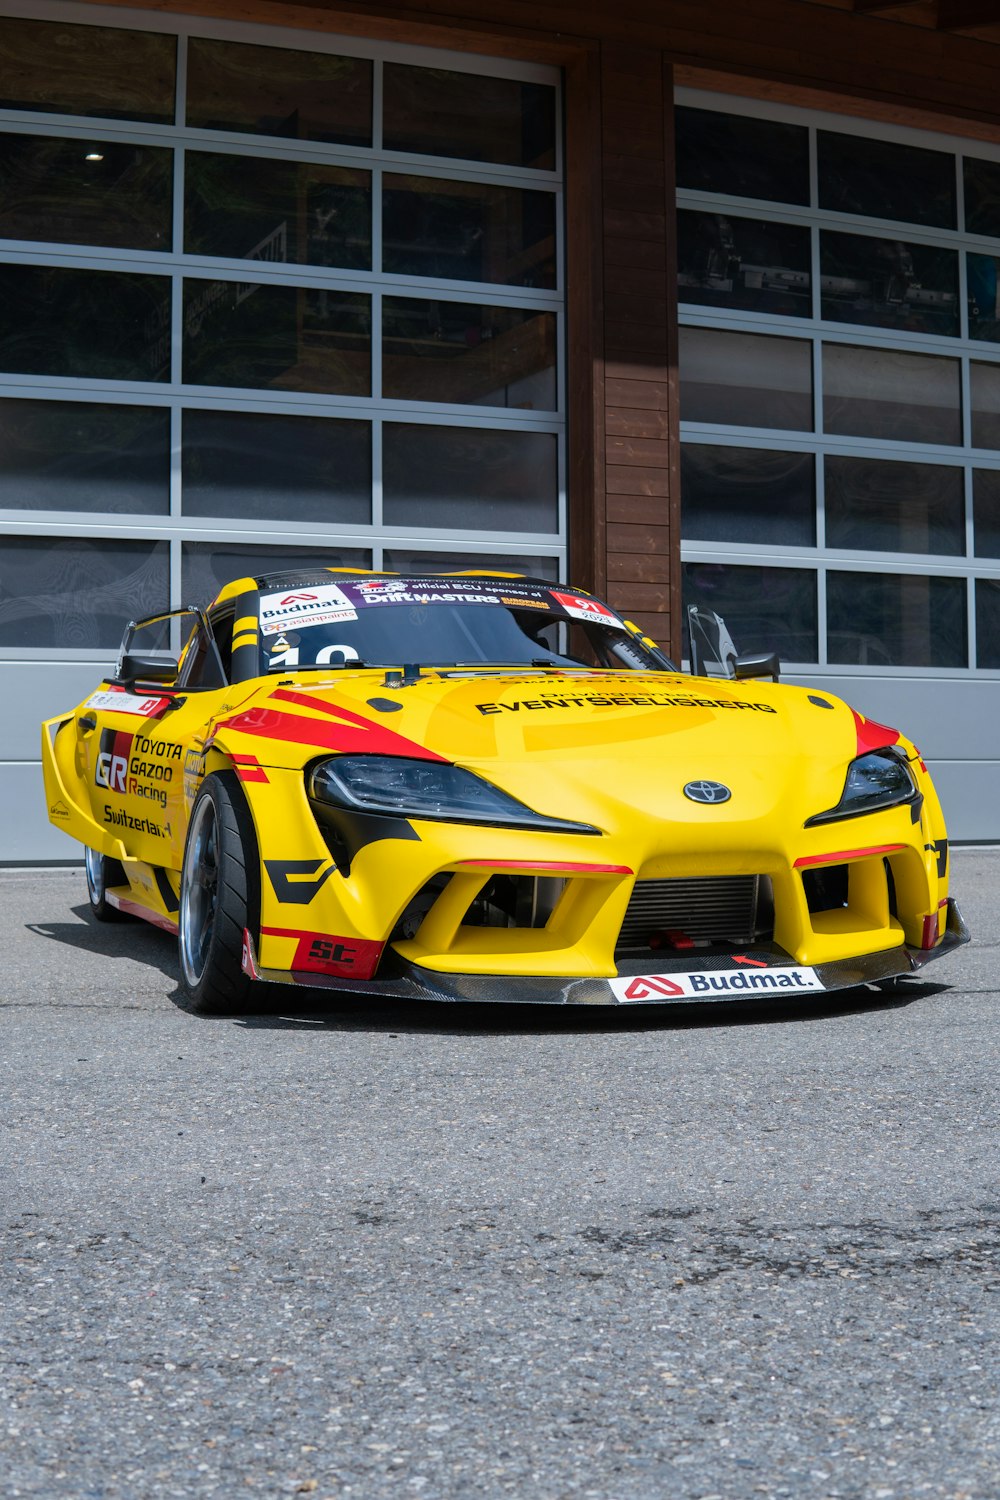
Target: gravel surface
point(458, 1252)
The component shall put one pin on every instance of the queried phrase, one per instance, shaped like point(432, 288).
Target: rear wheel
point(219, 896)
point(102, 872)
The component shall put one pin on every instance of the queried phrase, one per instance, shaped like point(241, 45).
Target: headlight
point(395, 787)
point(880, 779)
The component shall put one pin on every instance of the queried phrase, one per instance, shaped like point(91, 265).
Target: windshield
point(432, 621)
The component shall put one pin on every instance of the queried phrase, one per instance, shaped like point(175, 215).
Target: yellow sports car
point(490, 787)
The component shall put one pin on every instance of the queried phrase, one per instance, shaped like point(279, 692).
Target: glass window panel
point(982, 196)
point(284, 337)
point(258, 466)
point(309, 96)
point(85, 192)
point(745, 379)
point(87, 70)
point(883, 393)
point(896, 620)
point(260, 208)
point(886, 180)
point(984, 297)
point(741, 156)
point(461, 352)
point(766, 609)
point(84, 456)
point(437, 112)
point(76, 593)
point(468, 231)
point(469, 478)
point(877, 506)
point(101, 325)
point(207, 566)
point(986, 512)
point(404, 560)
point(985, 400)
point(888, 284)
point(748, 495)
point(988, 623)
point(751, 264)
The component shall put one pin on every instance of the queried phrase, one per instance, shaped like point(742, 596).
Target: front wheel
point(102, 872)
point(219, 896)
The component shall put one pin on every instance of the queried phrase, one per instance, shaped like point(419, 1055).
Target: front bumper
point(402, 980)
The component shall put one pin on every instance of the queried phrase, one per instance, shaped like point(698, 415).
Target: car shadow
point(283, 1008)
point(132, 939)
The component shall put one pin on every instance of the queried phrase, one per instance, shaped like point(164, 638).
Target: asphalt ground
point(346, 1251)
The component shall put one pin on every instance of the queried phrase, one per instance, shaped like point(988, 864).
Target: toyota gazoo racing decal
point(132, 765)
point(323, 604)
point(710, 984)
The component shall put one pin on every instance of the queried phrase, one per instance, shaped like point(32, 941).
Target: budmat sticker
point(708, 985)
point(323, 605)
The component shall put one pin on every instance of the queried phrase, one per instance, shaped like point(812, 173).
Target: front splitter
point(408, 981)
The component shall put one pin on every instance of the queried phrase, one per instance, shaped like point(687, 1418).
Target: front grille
point(705, 909)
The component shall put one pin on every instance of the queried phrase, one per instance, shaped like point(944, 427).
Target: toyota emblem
point(707, 791)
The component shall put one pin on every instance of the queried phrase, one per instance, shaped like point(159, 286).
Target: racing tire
point(102, 872)
point(219, 897)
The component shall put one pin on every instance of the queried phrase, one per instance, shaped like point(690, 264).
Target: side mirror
point(147, 668)
point(758, 664)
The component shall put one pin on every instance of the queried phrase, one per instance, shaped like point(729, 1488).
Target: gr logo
point(111, 767)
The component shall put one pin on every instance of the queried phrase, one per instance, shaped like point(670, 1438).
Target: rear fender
point(65, 797)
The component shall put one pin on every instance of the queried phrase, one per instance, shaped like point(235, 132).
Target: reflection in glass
point(873, 505)
point(984, 382)
point(745, 379)
point(284, 337)
point(438, 112)
point(988, 623)
point(72, 593)
point(886, 180)
point(766, 609)
point(982, 196)
point(896, 620)
point(207, 566)
point(261, 208)
point(469, 478)
point(84, 456)
point(986, 512)
point(747, 495)
point(984, 297)
point(741, 156)
point(308, 96)
point(403, 560)
point(752, 264)
point(86, 70)
point(888, 284)
point(460, 352)
point(883, 393)
point(101, 325)
point(468, 231)
point(270, 467)
point(85, 192)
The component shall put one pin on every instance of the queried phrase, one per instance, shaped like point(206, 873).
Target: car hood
point(576, 745)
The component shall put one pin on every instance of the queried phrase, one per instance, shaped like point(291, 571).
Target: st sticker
point(325, 604)
point(713, 984)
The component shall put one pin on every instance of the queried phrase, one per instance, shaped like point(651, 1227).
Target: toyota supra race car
point(490, 787)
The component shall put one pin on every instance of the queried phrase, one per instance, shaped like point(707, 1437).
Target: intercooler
point(703, 909)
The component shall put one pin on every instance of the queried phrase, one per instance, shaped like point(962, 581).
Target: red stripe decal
point(350, 734)
point(872, 736)
point(135, 910)
point(842, 854)
point(558, 866)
